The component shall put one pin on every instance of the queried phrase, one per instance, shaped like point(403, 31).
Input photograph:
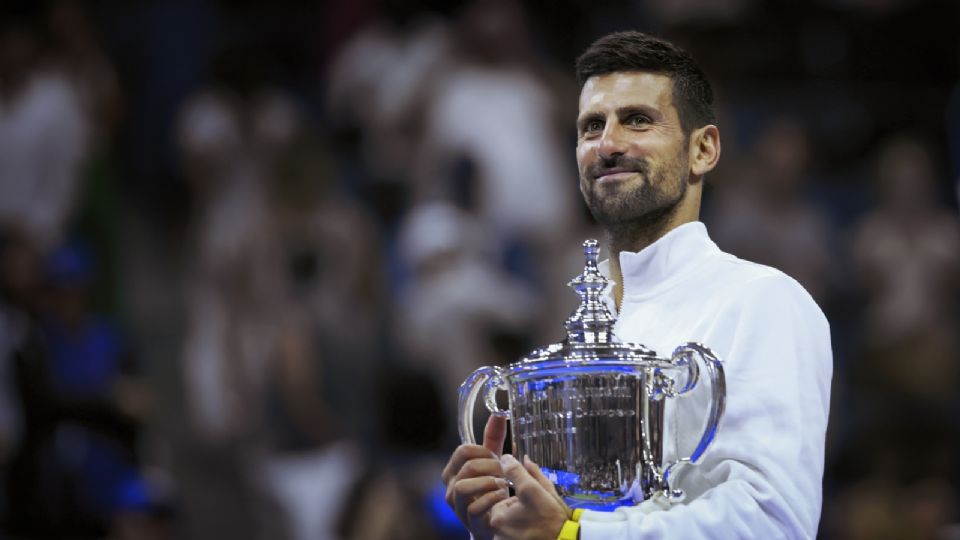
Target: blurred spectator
point(901, 471)
point(231, 135)
point(907, 257)
point(322, 389)
point(334, 278)
point(456, 302)
point(76, 471)
point(494, 109)
point(284, 315)
point(379, 85)
point(20, 271)
point(44, 136)
point(494, 144)
point(762, 214)
point(76, 52)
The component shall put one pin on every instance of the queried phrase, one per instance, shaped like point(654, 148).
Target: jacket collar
point(668, 260)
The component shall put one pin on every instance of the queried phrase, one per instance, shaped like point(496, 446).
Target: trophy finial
point(592, 321)
point(591, 249)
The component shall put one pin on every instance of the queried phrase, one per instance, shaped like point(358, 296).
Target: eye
point(593, 126)
point(637, 120)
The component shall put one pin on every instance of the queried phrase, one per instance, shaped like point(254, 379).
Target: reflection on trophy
point(590, 409)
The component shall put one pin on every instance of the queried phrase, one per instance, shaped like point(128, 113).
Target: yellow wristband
point(576, 515)
point(570, 530)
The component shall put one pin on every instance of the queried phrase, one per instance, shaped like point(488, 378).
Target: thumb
point(537, 474)
point(495, 433)
point(514, 472)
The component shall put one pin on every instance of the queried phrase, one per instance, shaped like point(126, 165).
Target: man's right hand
point(474, 479)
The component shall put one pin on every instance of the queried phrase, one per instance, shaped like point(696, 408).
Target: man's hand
point(536, 512)
point(474, 479)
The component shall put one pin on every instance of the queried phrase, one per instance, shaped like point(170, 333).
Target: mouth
point(614, 175)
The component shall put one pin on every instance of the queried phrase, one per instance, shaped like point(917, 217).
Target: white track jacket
point(762, 476)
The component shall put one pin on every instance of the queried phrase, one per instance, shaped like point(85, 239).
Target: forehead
point(623, 89)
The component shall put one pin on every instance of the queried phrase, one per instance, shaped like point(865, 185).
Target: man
point(646, 139)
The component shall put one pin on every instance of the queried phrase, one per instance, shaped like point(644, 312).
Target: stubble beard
point(641, 209)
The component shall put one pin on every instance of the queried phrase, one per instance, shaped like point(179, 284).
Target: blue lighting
point(597, 506)
point(443, 517)
point(601, 501)
point(564, 479)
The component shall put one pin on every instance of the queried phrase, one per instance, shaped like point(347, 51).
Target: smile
point(615, 175)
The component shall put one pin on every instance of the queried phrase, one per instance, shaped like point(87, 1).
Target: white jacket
point(761, 477)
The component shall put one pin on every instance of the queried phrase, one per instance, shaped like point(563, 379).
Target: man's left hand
point(536, 512)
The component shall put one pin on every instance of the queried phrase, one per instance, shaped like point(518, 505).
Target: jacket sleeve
point(762, 478)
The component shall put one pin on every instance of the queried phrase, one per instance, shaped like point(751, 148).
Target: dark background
point(280, 234)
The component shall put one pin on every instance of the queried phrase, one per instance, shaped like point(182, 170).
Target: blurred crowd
point(249, 249)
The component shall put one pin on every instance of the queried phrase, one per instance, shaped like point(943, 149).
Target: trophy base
point(572, 493)
point(589, 502)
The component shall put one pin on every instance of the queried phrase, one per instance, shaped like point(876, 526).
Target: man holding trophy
point(646, 139)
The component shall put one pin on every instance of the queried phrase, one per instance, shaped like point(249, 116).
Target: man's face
point(631, 149)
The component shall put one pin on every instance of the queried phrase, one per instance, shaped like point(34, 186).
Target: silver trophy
point(590, 410)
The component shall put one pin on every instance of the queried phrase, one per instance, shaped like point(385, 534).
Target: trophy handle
point(692, 356)
point(487, 379)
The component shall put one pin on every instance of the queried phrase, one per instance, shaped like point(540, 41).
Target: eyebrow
point(648, 110)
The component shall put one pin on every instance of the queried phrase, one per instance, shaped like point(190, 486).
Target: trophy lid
point(590, 335)
point(592, 322)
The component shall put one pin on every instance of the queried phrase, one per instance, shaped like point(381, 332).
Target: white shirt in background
point(43, 141)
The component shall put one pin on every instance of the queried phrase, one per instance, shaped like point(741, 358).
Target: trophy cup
point(590, 409)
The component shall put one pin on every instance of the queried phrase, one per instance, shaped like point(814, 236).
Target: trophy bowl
point(590, 410)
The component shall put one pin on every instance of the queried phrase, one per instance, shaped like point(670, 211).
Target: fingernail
point(501, 483)
point(506, 460)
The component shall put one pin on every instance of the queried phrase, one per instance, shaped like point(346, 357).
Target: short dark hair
point(636, 51)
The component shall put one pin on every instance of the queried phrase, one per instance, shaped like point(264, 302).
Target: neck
point(637, 235)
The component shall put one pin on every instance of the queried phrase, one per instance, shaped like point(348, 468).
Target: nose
point(611, 143)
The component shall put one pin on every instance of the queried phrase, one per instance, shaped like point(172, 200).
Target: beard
point(627, 205)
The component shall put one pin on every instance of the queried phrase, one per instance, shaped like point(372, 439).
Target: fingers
point(516, 473)
point(466, 492)
point(542, 479)
point(483, 503)
point(471, 497)
point(463, 454)
point(479, 467)
point(501, 512)
point(495, 433)
point(536, 507)
point(537, 474)
point(474, 479)
point(475, 487)
point(473, 469)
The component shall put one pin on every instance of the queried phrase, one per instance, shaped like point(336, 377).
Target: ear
point(704, 150)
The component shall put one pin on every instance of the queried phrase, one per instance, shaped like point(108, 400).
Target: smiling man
point(646, 139)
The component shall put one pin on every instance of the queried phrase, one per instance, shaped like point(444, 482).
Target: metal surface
point(590, 410)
